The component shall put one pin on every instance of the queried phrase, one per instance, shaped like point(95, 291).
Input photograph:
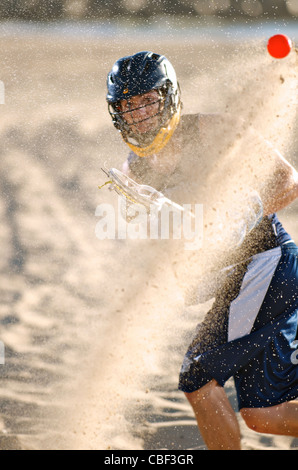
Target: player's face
point(141, 112)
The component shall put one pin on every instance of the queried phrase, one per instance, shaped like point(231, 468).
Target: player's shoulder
point(220, 122)
point(216, 118)
point(204, 120)
point(200, 122)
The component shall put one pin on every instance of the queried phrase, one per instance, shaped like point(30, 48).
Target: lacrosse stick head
point(133, 192)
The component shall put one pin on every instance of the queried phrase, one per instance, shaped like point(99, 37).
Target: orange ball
point(279, 46)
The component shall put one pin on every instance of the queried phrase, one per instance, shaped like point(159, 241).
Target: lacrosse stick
point(135, 193)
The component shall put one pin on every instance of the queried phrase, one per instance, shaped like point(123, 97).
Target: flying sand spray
point(119, 386)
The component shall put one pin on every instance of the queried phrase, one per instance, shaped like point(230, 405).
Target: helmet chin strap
point(160, 140)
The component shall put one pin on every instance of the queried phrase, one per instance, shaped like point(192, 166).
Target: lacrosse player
point(250, 333)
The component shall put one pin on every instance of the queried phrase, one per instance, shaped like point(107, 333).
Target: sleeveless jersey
point(267, 235)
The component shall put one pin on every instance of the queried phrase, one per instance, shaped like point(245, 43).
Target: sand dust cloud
point(94, 330)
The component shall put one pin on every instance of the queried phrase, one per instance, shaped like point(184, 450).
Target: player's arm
point(282, 188)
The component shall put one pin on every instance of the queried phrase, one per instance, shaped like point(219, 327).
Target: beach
point(95, 330)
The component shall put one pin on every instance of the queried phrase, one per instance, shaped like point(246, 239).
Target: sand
point(95, 330)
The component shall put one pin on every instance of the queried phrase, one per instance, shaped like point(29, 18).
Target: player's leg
point(216, 419)
point(280, 419)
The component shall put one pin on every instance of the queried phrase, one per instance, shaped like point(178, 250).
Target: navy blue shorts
point(250, 333)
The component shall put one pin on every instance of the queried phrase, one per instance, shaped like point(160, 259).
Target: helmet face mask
point(130, 127)
point(136, 76)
